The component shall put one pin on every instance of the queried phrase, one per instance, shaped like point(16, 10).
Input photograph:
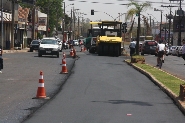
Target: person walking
point(183, 49)
point(132, 47)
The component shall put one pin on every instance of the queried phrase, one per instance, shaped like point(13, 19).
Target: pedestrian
point(1, 59)
point(132, 47)
point(183, 49)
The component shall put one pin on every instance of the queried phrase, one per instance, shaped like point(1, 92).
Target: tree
point(139, 7)
point(54, 10)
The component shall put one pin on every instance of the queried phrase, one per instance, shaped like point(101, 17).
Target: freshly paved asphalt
point(96, 98)
point(151, 62)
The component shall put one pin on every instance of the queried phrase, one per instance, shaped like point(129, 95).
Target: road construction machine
point(108, 38)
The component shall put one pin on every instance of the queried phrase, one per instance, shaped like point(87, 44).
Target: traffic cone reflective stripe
point(63, 61)
point(64, 55)
point(71, 53)
point(41, 90)
point(64, 67)
point(81, 49)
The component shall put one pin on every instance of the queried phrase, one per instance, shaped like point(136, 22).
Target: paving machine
point(108, 42)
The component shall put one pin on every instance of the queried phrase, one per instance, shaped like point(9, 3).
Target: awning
point(7, 17)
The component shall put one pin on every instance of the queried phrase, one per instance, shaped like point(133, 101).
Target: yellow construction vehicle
point(109, 38)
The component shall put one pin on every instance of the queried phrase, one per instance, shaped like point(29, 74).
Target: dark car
point(34, 45)
point(149, 47)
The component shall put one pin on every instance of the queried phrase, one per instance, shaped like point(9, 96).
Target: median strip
point(169, 83)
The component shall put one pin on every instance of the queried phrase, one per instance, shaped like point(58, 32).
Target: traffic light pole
point(33, 22)
point(12, 28)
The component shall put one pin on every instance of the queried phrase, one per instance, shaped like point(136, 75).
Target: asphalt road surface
point(104, 89)
point(19, 83)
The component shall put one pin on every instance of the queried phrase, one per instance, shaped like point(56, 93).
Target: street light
point(63, 28)
point(161, 20)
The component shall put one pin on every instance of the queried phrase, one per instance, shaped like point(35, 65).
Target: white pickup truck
point(49, 47)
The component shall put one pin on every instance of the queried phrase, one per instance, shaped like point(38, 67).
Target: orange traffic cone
point(74, 53)
point(41, 90)
point(64, 67)
point(71, 53)
point(63, 60)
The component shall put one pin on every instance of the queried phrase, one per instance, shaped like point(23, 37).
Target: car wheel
point(39, 54)
point(57, 55)
point(142, 54)
point(31, 50)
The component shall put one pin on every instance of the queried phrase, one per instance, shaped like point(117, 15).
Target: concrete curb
point(15, 51)
point(174, 97)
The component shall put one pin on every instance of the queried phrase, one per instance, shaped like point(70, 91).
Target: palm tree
point(139, 7)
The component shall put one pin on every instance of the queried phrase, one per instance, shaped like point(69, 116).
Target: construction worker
point(1, 59)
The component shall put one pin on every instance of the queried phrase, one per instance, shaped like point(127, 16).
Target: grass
point(167, 80)
point(137, 56)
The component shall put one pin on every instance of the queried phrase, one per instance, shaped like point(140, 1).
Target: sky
point(109, 9)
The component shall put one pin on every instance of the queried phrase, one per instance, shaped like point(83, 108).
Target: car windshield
point(48, 41)
point(35, 42)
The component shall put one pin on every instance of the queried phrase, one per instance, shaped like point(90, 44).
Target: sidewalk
point(16, 51)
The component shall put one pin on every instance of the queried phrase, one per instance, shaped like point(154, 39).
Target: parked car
point(172, 50)
point(176, 50)
point(75, 42)
point(48, 47)
point(179, 51)
point(34, 45)
point(149, 47)
point(167, 51)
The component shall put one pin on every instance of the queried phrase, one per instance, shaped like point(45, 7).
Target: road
point(173, 64)
point(19, 83)
point(107, 90)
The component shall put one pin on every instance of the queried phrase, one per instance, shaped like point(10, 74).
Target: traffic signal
point(124, 27)
point(92, 11)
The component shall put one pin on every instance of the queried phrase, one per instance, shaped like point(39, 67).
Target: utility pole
point(78, 27)
point(2, 24)
point(180, 20)
point(161, 20)
point(71, 24)
point(64, 15)
point(170, 16)
point(33, 21)
point(119, 16)
point(12, 28)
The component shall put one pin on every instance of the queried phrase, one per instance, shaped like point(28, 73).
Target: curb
point(15, 51)
point(180, 104)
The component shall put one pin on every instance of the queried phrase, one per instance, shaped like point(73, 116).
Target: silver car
point(172, 50)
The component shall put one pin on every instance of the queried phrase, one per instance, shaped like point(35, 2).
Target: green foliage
point(39, 36)
point(167, 80)
point(138, 7)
